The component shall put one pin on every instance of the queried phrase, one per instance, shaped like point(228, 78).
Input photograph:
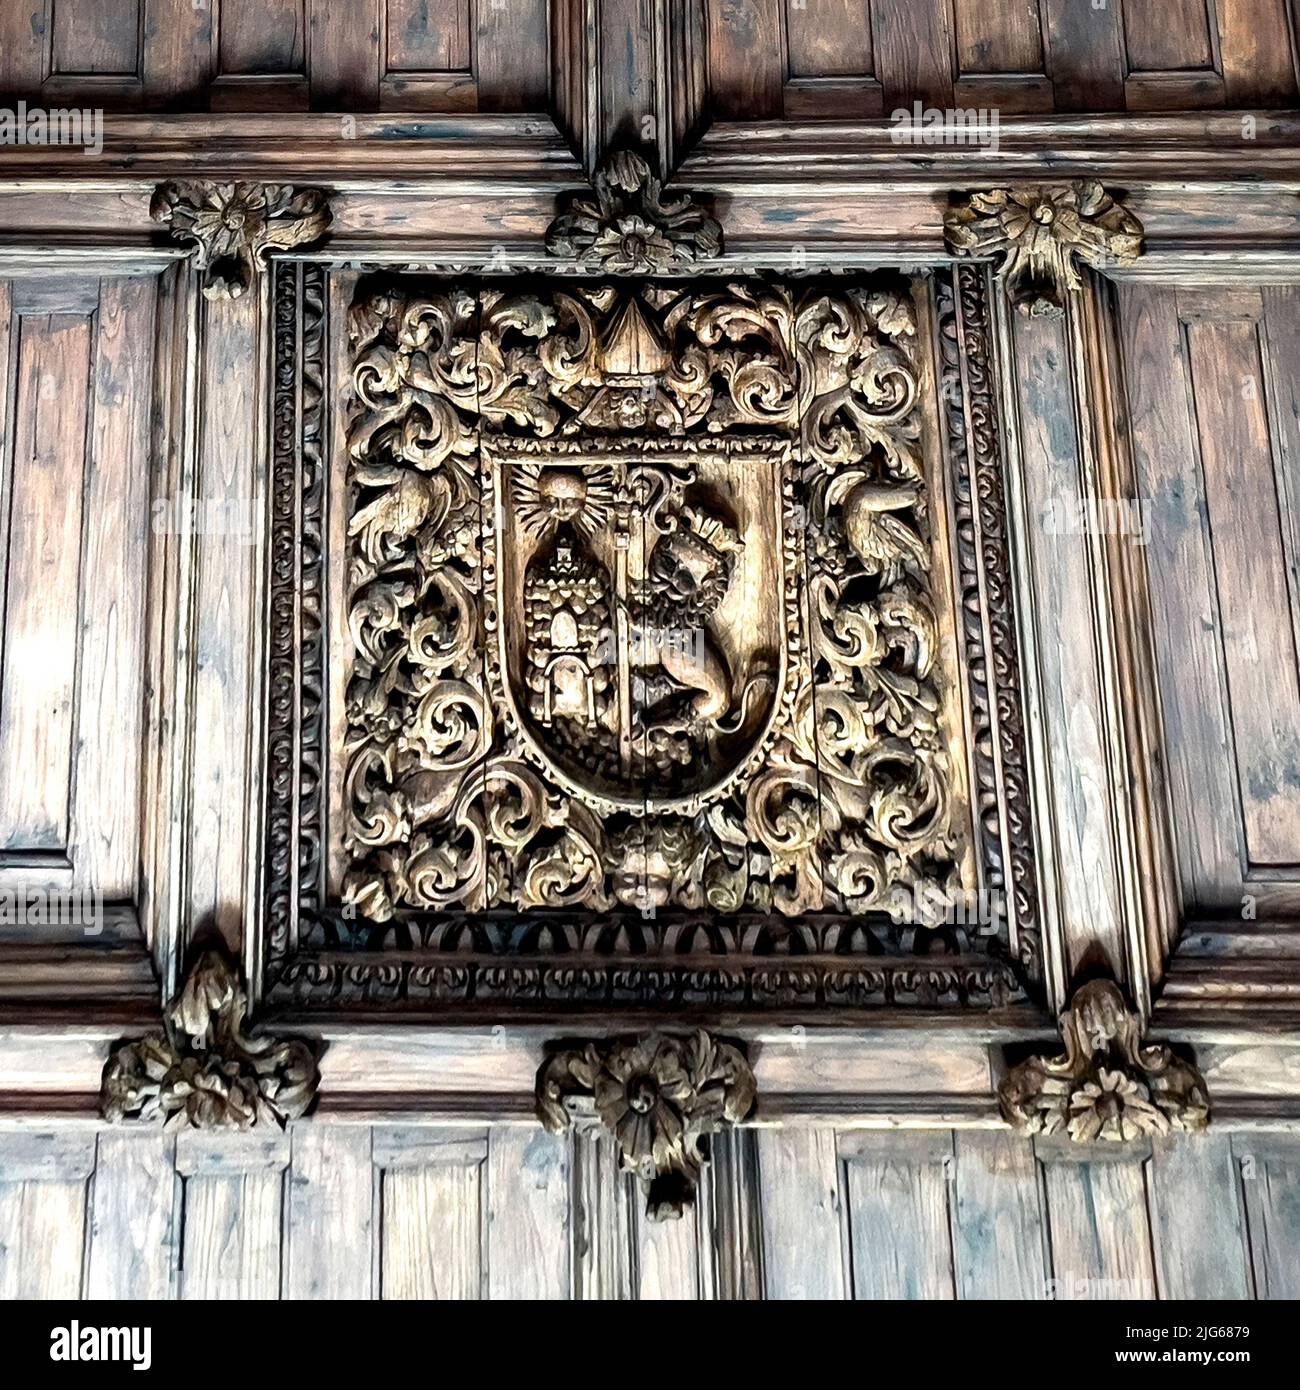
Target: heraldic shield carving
point(644, 653)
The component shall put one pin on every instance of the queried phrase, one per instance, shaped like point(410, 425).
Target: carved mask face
point(563, 494)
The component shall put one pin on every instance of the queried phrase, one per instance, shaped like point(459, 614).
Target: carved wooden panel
point(76, 367)
point(1211, 381)
point(635, 615)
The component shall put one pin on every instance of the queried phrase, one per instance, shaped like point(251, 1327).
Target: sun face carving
point(549, 497)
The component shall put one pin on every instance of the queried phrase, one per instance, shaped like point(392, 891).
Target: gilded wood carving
point(1107, 1084)
point(660, 1096)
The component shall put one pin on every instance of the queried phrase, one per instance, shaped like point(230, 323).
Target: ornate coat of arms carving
point(639, 593)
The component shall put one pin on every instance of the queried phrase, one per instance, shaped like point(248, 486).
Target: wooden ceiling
point(739, 59)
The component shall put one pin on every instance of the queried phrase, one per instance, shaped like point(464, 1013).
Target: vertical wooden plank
point(234, 1201)
point(231, 507)
point(914, 51)
point(1270, 1184)
point(997, 1218)
point(43, 1181)
point(105, 813)
point(993, 36)
point(737, 1215)
point(1197, 1227)
point(343, 54)
point(746, 66)
point(330, 1231)
point(427, 35)
point(528, 1214)
point(1064, 674)
point(1256, 48)
point(1255, 614)
point(510, 55)
point(1281, 341)
point(43, 598)
point(603, 1218)
point(1085, 54)
point(897, 1188)
point(433, 1215)
point(668, 1257)
point(1101, 1236)
point(133, 1227)
point(803, 1236)
point(1179, 568)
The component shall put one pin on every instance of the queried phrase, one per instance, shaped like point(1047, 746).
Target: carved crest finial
point(660, 1097)
point(1040, 232)
point(632, 227)
point(1107, 1084)
point(203, 1071)
point(234, 225)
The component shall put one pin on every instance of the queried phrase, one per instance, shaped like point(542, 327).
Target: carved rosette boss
point(1040, 233)
point(234, 226)
point(1107, 1084)
point(204, 1070)
point(632, 227)
point(660, 1097)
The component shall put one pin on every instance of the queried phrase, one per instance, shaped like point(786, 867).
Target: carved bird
point(394, 516)
point(884, 543)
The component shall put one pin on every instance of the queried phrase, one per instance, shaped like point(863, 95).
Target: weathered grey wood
point(604, 1264)
point(330, 1214)
point(1270, 1184)
point(898, 1191)
point(135, 1214)
point(803, 1214)
point(42, 1233)
point(1197, 1227)
point(432, 1238)
point(1097, 1215)
point(997, 1218)
point(528, 1232)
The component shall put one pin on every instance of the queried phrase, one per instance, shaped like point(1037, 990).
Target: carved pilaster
point(1040, 233)
point(234, 226)
point(660, 1097)
point(631, 227)
point(1107, 1084)
point(203, 1070)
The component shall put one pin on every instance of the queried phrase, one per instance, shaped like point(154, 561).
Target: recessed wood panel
point(427, 35)
point(262, 38)
point(997, 36)
point(42, 609)
point(828, 38)
point(1210, 385)
point(100, 38)
point(1165, 35)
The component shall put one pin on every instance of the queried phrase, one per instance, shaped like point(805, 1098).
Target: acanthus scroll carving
point(234, 226)
point(660, 1096)
point(204, 1070)
point(1038, 233)
point(640, 600)
point(1107, 1084)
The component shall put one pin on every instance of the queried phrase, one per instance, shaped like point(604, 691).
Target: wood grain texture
point(803, 1214)
point(1100, 1232)
point(1197, 1223)
point(44, 579)
point(330, 1214)
point(997, 1218)
point(746, 70)
point(432, 1237)
point(1270, 1184)
point(528, 1230)
point(1086, 48)
point(1257, 50)
point(997, 36)
point(898, 1190)
point(914, 51)
point(135, 1216)
point(828, 38)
